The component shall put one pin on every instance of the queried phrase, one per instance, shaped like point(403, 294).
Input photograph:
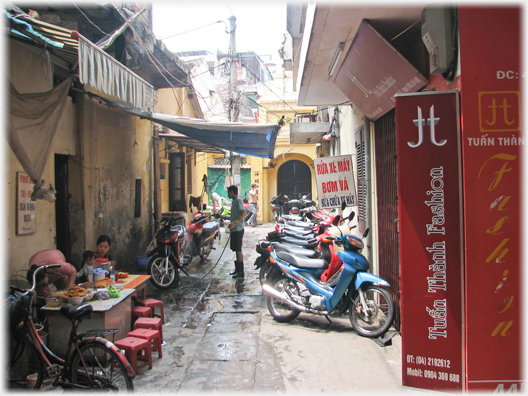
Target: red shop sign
point(431, 239)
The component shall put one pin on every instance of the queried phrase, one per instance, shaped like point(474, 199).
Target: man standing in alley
point(236, 228)
point(253, 204)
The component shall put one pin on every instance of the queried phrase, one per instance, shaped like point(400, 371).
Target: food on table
point(102, 283)
point(88, 285)
point(75, 291)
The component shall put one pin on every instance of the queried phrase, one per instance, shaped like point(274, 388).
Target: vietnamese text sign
point(26, 208)
point(431, 254)
point(492, 146)
point(335, 181)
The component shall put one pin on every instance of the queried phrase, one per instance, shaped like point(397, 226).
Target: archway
point(294, 179)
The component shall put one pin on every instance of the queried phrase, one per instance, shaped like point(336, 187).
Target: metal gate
point(294, 179)
point(387, 187)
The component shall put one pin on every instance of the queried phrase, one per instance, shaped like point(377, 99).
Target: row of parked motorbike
point(177, 245)
point(312, 263)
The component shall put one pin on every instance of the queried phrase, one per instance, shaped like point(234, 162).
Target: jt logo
point(420, 123)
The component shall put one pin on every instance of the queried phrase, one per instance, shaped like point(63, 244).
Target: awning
point(257, 140)
point(186, 141)
point(373, 72)
point(106, 74)
point(97, 68)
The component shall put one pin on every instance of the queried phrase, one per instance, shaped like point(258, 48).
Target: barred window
point(361, 179)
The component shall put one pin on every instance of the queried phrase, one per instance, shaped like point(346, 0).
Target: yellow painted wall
point(174, 101)
point(28, 73)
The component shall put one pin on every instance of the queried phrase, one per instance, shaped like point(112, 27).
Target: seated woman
point(103, 246)
point(62, 278)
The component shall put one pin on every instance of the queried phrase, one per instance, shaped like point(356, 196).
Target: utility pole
point(235, 157)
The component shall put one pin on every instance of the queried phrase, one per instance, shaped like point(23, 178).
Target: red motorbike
point(168, 255)
point(200, 236)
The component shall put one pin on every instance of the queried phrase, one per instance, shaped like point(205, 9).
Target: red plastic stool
point(153, 336)
point(149, 323)
point(142, 312)
point(136, 349)
point(153, 303)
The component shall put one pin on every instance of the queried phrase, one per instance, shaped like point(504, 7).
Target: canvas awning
point(257, 140)
point(186, 141)
point(70, 50)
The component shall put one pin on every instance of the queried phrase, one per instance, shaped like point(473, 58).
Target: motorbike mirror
point(285, 196)
point(366, 232)
point(204, 207)
point(336, 220)
point(351, 215)
point(343, 205)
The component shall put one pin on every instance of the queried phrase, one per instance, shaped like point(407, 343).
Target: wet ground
point(221, 337)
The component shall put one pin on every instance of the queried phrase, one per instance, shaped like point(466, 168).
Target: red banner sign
point(492, 140)
point(431, 253)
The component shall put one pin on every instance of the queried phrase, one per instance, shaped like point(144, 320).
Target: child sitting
point(87, 269)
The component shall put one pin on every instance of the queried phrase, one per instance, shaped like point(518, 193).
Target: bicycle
point(91, 362)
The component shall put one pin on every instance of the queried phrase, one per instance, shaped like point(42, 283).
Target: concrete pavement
point(221, 338)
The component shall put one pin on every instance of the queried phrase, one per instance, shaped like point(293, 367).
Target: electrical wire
point(188, 31)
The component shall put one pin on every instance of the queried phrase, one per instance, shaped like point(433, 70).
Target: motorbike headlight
point(355, 242)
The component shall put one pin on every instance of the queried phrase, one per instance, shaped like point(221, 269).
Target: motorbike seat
point(211, 226)
point(298, 231)
point(297, 250)
point(298, 242)
point(292, 218)
point(299, 224)
point(302, 262)
point(294, 234)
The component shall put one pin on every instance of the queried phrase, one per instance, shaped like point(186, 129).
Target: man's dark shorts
point(236, 241)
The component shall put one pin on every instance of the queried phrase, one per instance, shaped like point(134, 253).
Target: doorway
point(294, 179)
point(62, 213)
point(177, 185)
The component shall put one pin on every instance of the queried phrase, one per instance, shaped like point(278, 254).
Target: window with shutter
point(361, 179)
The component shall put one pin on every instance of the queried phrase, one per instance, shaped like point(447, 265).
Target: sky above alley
point(191, 25)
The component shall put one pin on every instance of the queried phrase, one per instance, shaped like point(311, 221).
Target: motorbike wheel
point(163, 272)
point(265, 272)
point(379, 315)
point(206, 251)
point(281, 311)
point(187, 254)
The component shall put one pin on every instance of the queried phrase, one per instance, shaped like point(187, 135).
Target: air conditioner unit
point(437, 35)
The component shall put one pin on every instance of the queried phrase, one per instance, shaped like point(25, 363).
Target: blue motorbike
point(294, 286)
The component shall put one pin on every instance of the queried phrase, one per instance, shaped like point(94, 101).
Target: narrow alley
point(221, 337)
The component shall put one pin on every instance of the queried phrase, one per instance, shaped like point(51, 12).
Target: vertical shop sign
point(26, 208)
point(431, 253)
point(335, 181)
point(492, 142)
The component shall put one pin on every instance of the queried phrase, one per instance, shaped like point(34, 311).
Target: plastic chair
point(153, 336)
point(149, 323)
point(153, 303)
point(136, 349)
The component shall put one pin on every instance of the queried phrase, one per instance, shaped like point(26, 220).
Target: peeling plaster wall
point(117, 151)
point(29, 73)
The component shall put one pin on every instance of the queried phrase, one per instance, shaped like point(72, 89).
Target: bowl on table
point(89, 295)
point(114, 294)
point(119, 285)
point(75, 300)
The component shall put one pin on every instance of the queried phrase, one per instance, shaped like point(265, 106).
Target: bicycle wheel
point(24, 361)
point(95, 366)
